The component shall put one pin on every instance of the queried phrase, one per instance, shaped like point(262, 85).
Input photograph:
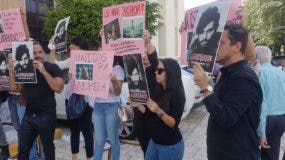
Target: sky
point(193, 3)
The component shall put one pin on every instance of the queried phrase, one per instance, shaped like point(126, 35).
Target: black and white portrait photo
point(24, 70)
point(4, 75)
point(134, 71)
point(208, 29)
point(1, 25)
point(136, 77)
point(60, 35)
point(3, 63)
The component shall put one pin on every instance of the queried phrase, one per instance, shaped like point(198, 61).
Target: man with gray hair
point(272, 118)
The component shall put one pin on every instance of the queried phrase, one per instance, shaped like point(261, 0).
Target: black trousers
point(140, 130)
point(83, 124)
point(34, 124)
point(275, 127)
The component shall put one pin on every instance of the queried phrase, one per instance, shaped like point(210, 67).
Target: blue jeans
point(161, 152)
point(17, 113)
point(13, 107)
point(106, 124)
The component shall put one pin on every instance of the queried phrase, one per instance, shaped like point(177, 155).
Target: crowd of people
point(247, 112)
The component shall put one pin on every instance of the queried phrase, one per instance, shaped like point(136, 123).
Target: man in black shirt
point(235, 103)
point(40, 115)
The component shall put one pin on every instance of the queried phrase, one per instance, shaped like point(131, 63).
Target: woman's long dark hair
point(81, 42)
point(172, 76)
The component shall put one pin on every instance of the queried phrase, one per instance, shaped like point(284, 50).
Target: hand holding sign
point(200, 76)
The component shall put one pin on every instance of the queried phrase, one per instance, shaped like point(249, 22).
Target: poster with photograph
point(11, 28)
point(90, 72)
point(136, 78)
point(4, 74)
point(23, 56)
point(189, 21)
point(61, 35)
point(123, 27)
point(209, 21)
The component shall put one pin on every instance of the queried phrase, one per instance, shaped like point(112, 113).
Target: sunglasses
point(159, 71)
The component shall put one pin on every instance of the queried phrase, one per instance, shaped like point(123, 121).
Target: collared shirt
point(272, 81)
point(234, 109)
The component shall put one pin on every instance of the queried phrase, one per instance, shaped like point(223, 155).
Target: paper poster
point(201, 42)
point(61, 35)
point(24, 70)
point(91, 71)
point(4, 74)
point(136, 78)
point(186, 36)
point(234, 10)
point(11, 28)
point(123, 27)
point(189, 21)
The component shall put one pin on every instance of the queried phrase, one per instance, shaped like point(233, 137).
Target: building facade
point(168, 39)
point(35, 14)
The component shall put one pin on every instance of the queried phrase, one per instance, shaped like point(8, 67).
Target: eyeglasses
point(159, 71)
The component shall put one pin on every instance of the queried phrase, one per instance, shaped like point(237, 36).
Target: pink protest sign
point(234, 8)
point(123, 27)
point(91, 71)
point(190, 19)
point(11, 28)
point(186, 36)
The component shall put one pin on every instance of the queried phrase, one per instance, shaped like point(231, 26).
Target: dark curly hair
point(20, 51)
point(210, 15)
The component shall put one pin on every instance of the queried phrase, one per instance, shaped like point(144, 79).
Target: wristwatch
point(208, 89)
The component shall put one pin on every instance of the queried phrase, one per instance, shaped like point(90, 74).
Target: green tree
point(266, 22)
point(86, 17)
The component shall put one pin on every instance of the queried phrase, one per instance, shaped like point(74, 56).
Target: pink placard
point(12, 28)
point(123, 27)
point(234, 8)
point(91, 71)
point(189, 21)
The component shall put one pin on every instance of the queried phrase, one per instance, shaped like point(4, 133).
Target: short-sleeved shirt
point(118, 71)
point(39, 96)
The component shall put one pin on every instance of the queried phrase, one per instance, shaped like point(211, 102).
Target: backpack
point(76, 106)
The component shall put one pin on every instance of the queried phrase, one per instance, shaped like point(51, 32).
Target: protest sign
point(11, 28)
point(24, 70)
point(91, 72)
point(200, 41)
point(60, 36)
point(189, 21)
point(123, 27)
point(136, 78)
point(4, 74)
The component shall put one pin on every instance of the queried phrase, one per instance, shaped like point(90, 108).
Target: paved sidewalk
point(193, 128)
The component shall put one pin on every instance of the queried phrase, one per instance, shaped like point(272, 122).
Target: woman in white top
point(84, 122)
point(105, 115)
